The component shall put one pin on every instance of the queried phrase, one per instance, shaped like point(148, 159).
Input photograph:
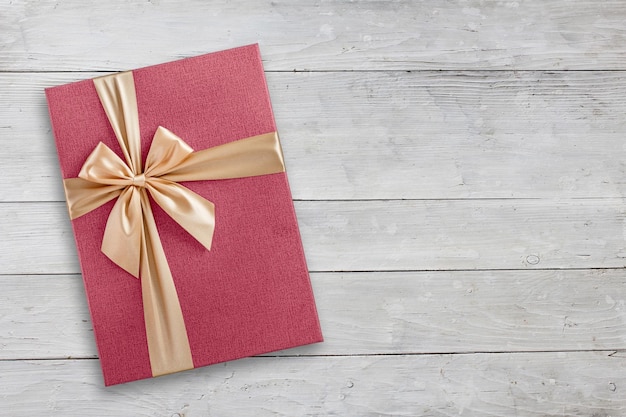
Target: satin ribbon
point(131, 239)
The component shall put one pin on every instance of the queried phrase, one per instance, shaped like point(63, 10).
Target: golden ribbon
point(131, 239)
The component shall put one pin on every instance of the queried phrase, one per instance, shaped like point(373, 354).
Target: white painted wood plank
point(538, 384)
point(394, 135)
point(384, 235)
point(44, 316)
point(119, 35)
point(373, 313)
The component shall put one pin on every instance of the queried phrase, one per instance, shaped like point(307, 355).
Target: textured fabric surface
point(251, 293)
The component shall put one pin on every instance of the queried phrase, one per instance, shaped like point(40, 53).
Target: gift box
point(182, 215)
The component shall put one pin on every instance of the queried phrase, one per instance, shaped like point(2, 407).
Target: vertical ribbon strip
point(131, 239)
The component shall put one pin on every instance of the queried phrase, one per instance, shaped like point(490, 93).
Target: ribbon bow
point(131, 238)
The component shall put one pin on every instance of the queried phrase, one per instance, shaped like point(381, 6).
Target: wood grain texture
point(539, 384)
point(384, 235)
point(373, 313)
point(443, 149)
point(321, 35)
point(393, 135)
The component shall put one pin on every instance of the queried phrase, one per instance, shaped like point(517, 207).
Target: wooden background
point(459, 175)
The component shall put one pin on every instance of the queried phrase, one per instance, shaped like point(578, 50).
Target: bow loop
point(103, 166)
point(167, 152)
point(83, 196)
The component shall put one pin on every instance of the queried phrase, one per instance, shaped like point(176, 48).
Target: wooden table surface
point(458, 170)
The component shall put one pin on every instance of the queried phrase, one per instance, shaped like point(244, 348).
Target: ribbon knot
point(139, 180)
point(131, 239)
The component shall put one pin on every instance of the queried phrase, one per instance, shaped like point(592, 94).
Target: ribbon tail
point(168, 343)
point(190, 210)
point(121, 242)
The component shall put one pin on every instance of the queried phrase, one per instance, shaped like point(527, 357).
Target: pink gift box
point(251, 293)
